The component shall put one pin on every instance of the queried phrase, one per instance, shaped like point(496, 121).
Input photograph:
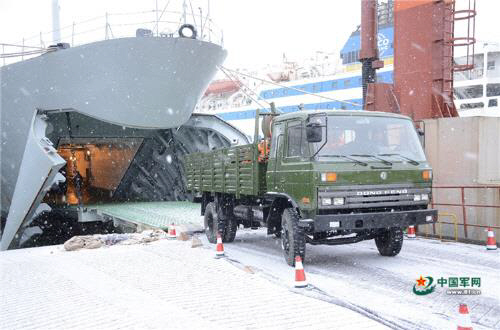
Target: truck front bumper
point(321, 223)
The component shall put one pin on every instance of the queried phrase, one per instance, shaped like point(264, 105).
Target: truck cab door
point(275, 157)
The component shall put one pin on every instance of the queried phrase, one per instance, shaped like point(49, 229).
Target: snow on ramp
point(165, 284)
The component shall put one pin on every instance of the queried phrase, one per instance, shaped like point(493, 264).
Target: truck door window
point(297, 146)
point(277, 131)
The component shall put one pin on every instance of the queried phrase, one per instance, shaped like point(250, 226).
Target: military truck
point(329, 177)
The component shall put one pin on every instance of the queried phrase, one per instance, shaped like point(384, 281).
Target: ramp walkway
point(153, 214)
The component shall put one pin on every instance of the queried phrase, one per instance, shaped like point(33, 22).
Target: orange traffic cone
point(464, 322)
point(491, 243)
point(219, 249)
point(300, 275)
point(411, 232)
point(171, 232)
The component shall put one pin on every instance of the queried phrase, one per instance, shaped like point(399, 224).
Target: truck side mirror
point(314, 132)
point(421, 136)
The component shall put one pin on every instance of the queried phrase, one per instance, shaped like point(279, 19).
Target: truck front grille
point(374, 196)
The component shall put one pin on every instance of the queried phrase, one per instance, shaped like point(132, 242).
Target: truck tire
point(389, 242)
point(211, 222)
point(230, 230)
point(293, 240)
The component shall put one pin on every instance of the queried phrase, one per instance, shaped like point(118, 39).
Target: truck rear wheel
point(211, 222)
point(389, 242)
point(293, 239)
point(230, 229)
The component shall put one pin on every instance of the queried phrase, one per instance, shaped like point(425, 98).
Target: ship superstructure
point(330, 81)
point(477, 91)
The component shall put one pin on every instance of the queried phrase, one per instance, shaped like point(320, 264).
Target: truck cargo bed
point(233, 170)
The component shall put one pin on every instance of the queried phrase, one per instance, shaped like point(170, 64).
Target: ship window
point(493, 103)
point(492, 89)
point(316, 87)
point(469, 92)
point(334, 84)
point(347, 82)
point(493, 69)
point(472, 105)
point(475, 73)
point(285, 91)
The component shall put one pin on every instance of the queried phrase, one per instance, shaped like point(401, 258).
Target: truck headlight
point(338, 201)
point(326, 201)
point(421, 197)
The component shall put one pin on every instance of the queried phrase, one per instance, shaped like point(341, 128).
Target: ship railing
point(155, 23)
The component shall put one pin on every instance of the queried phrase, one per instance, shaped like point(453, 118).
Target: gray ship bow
point(141, 83)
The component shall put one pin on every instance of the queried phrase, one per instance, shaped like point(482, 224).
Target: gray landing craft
point(105, 121)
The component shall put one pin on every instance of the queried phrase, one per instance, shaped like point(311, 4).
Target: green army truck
point(330, 177)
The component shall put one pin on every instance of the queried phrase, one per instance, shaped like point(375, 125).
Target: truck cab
point(330, 177)
point(349, 176)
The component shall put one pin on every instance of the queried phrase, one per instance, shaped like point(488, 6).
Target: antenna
point(56, 24)
point(184, 10)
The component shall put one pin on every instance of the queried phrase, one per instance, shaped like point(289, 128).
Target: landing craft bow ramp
point(117, 114)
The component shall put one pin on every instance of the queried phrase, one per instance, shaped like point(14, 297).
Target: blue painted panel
point(385, 40)
point(250, 114)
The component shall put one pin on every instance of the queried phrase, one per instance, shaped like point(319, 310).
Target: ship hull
point(133, 82)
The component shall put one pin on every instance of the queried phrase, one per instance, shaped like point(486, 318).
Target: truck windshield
point(387, 138)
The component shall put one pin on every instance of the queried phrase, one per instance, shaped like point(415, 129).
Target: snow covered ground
point(359, 277)
point(169, 284)
point(162, 285)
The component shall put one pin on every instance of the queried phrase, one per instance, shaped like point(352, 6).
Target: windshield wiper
point(346, 157)
point(411, 161)
point(386, 162)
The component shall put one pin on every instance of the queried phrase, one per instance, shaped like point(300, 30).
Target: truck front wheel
point(293, 239)
point(389, 242)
